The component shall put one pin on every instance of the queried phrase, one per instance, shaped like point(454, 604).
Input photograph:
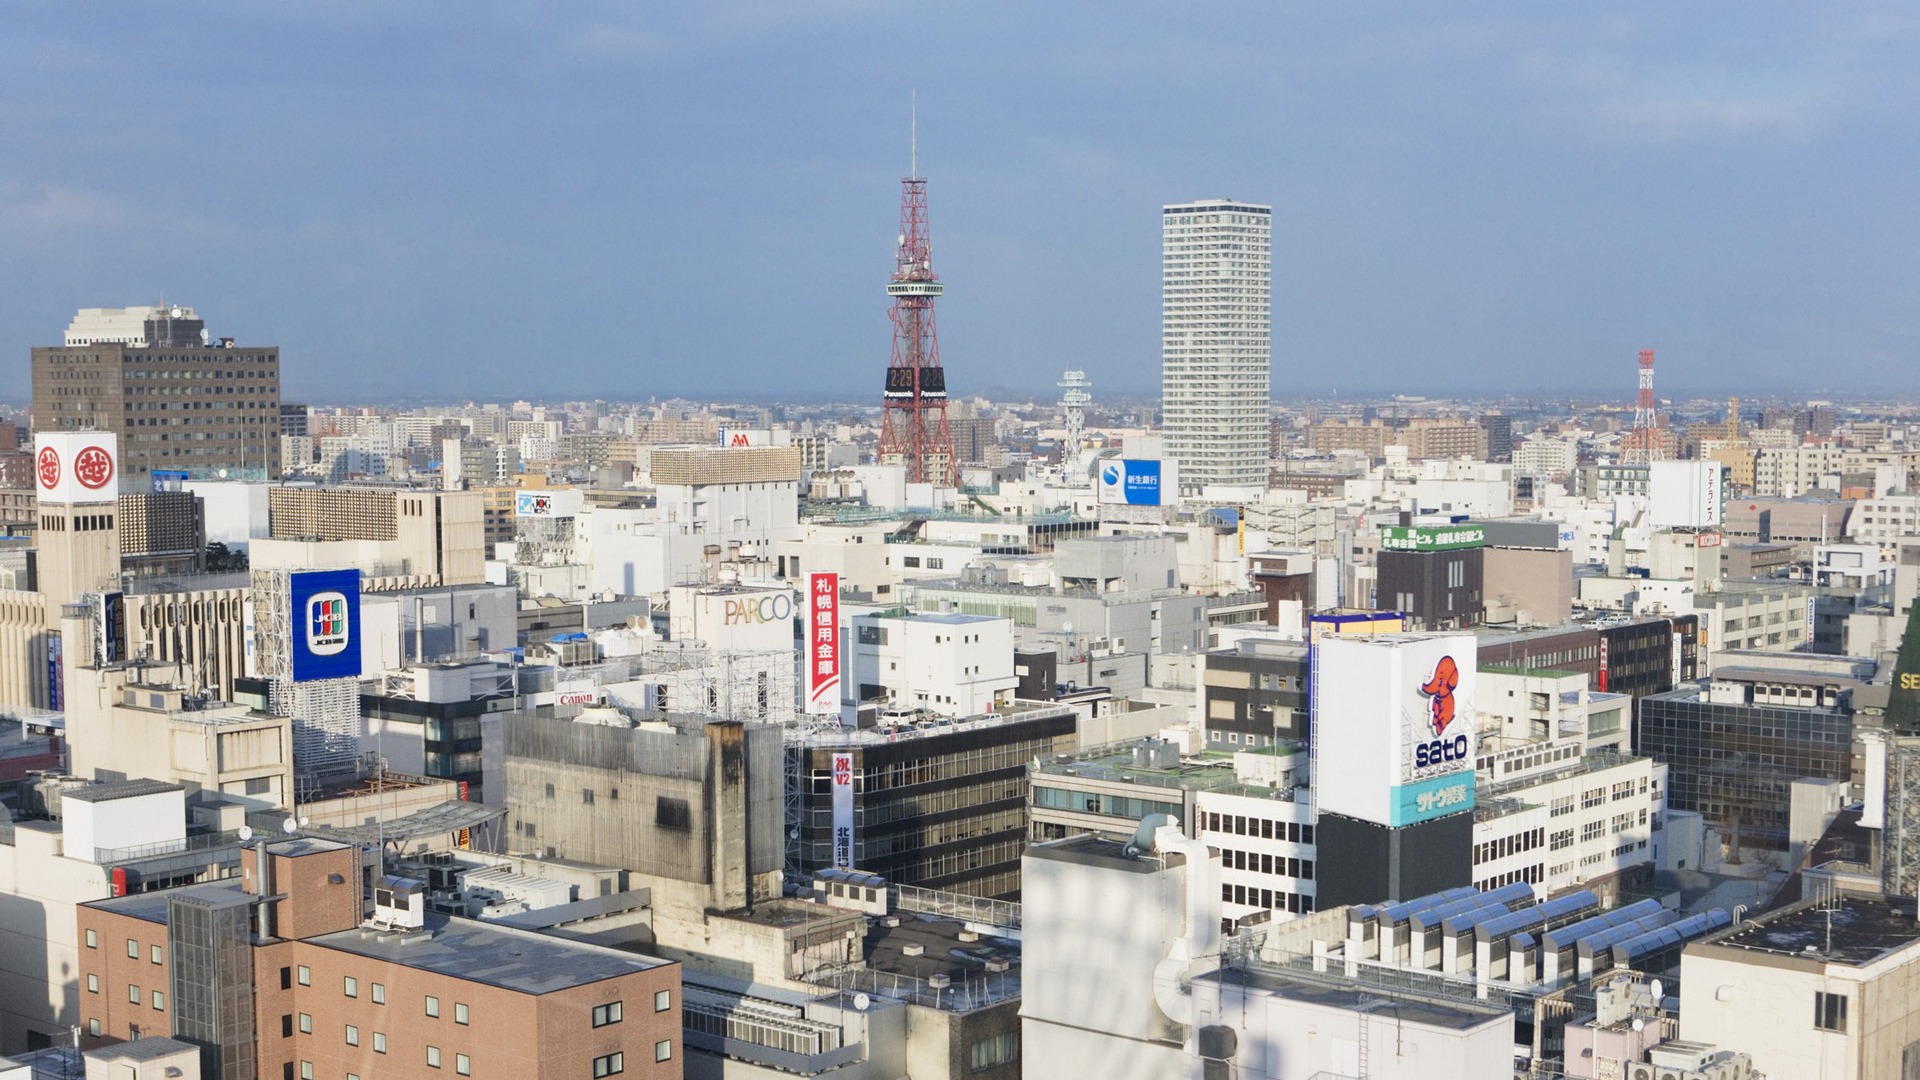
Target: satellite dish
point(305, 821)
point(290, 826)
point(246, 833)
point(176, 312)
point(1639, 1024)
point(861, 1002)
point(1066, 627)
point(1657, 989)
point(223, 474)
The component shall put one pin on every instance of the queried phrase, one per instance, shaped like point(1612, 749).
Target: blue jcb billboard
point(326, 624)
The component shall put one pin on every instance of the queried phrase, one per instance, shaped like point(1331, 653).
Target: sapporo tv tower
point(913, 429)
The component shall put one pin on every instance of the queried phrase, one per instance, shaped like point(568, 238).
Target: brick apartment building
point(280, 976)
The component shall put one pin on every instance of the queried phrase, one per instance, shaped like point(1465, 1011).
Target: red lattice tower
point(1643, 443)
point(913, 429)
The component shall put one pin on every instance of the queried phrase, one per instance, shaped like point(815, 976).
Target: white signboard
point(564, 502)
point(76, 467)
point(1393, 719)
point(1684, 494)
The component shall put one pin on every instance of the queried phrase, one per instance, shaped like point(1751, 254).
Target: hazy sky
point(627, 200)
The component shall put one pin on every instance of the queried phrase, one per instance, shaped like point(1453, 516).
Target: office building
point(178, 402)
point(1216, 340)
point(1734, 744)
point(937, 804)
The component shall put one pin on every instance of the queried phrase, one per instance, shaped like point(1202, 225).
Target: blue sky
point(629, 200)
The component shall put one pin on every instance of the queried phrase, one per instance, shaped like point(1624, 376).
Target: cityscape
point(1495, 672)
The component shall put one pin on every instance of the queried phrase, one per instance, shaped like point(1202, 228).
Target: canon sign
point(577, 697)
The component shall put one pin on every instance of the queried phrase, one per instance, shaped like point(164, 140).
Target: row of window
point(1264, 828)
point(1490, 850)
point(1261, 863)
point(1269, 899)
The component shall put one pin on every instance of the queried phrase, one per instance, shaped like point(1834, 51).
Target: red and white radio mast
point(913, 428)
point(1643, 443)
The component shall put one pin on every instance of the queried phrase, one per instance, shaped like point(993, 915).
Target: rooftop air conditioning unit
point(1640, 1070)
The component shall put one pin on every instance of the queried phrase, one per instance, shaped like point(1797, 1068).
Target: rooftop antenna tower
point(913, 428)
point(1643, 445)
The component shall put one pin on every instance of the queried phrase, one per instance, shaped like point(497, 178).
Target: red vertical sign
point(821, 646)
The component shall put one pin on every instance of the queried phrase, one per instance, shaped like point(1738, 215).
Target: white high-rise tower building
point(1216, 340)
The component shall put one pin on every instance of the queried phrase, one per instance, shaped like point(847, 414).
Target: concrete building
point(178, 403)
point(948, 665)
point(1819, 988)
point(692, 806)
point(1216, 348)
point(433, 535)
point(318, 989)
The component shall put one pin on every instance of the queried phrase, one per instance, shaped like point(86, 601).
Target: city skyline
point(1515, 198)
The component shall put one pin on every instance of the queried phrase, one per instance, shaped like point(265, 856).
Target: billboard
point(1684, 494)
point(1136, 482)
point(821, 646)
point(1393, 725)
point(326, 624)
point(733, 436)
point(843, 810)
point(1431, 537)
point(76, 467)
point(565, 502)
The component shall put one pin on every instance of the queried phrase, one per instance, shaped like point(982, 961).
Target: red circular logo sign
point(49, 468)
point(93, 467)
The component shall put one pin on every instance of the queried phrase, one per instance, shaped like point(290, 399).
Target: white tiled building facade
point(1216, 340)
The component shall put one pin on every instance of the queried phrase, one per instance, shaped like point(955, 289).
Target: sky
point(426, 201)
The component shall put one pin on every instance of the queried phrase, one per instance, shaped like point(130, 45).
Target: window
point(433, 1006)
point(609, 1013)
point(306, 975)
point(998, 1050)
point(133, 993)
point(463, 1064)
point(611, 1065)
point(133, 948)
point(1829, 1011)
point(672, 814)
point(93, 1028)
point(93, 984)
point(306, 1070)
point(663, 1050)
point(433, 1057)
point(286, 978)
point(93, 940)
point(379, 993)
point(306, 1024)
point(353, 1035)
point(379, 1042)
point(155, 954)
point(662, 1000)
point(459, 1012)
point(159, 1000)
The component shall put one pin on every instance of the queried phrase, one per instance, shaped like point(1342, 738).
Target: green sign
point(1431, 537)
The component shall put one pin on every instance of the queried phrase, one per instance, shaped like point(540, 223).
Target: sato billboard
point(326, 624)
point(1394, 718)
point(75, 467)
point(820, 648)
point(1136, 482)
